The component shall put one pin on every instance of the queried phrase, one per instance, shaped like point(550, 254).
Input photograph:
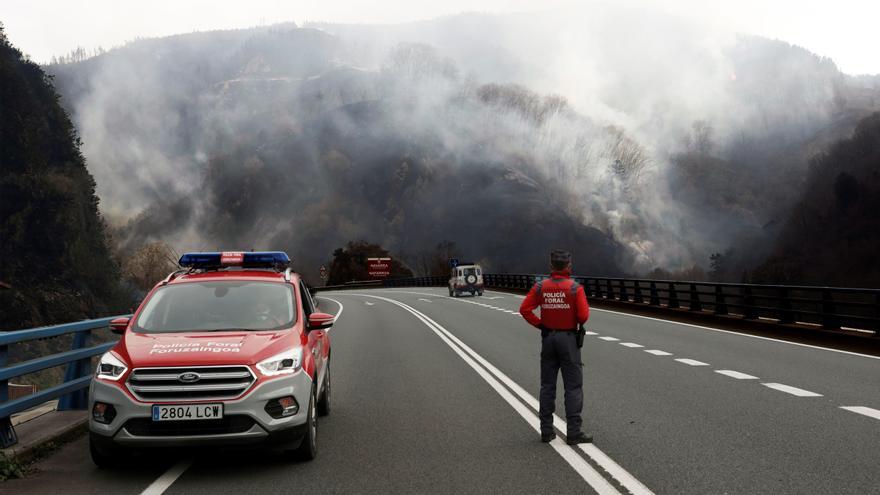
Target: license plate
point(185, 412)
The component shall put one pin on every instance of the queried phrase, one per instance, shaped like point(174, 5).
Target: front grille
point(214, 382)
point(146, 427)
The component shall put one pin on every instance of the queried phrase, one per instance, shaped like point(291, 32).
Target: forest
point(335, 143)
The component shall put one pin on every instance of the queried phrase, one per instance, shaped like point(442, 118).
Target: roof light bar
point(235, 258)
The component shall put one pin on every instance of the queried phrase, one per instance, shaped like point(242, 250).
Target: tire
point(450, 292)
point(104, 457)
point(324, 403)
point(308, 449)
point(473, 293)
point(479, 293)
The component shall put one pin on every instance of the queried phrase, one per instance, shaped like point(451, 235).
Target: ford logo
point(189, 377)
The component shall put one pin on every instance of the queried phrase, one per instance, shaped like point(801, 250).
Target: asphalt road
point(433, 394)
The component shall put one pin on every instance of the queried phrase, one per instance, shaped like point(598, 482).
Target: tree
point(53, 241)
point(149, 264)
point(628, 158)
point(435, 263)
point(350, 263)
point(700, 139)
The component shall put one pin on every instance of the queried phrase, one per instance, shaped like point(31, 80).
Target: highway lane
point(411, 415)
point(688, 429)
point(408, 416)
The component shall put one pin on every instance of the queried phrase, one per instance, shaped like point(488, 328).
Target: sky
point(844, 30)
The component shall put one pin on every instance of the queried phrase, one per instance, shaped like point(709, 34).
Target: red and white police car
point(230, 350)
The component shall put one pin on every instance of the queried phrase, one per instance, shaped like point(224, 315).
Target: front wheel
point(308, 449)
point(479, 293)
point(324, 403)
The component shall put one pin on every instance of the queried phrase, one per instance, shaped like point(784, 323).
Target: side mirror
point(119, 325)
point(318, 321)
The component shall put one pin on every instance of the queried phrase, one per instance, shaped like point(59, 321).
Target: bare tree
point(700, 140)
point(149, 264)
point(628, 158)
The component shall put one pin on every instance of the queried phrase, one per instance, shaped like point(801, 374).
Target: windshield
point(218, 306)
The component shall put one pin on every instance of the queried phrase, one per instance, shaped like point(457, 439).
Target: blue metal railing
point(77, 376)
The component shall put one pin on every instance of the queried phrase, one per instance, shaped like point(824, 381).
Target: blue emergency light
point(234, 258)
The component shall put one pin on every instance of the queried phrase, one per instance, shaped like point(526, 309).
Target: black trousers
point(559, 351)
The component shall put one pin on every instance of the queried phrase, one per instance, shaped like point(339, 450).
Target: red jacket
point(562, 301)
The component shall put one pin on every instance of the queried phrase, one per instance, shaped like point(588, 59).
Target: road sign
point(379, 267)
point(453, 262)
point(323, 271)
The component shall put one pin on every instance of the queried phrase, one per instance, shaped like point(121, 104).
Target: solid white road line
point(791, 390)
point(615, 470)
point(736, 333)
point(163, 482)
point(712, 329)
point(631, 344)
point(341, 307)
point(736, 374)
point(584, 469)
point(722, 331)
point(692, 362)
point(657, 352)
point(609, 339)
point(867, 411)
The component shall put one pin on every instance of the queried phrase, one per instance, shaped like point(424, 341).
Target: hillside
point(488, 131)
point(833, 233)
point(54, 251)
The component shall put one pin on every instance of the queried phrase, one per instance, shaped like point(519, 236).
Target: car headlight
point(110, 367)
point(280, 364)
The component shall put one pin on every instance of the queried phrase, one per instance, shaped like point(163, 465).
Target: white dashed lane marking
point(426, 300)
point(658, 352)
point(736, 374)
point(692, 362)
point(867, 411)
point(791, 390)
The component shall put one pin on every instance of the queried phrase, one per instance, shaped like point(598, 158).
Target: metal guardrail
point(77, 376)
point(830, 308)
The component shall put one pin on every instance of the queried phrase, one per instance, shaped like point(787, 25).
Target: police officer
point(563, 307)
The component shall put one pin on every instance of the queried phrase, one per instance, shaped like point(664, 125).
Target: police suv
point(227, 351)
point(466, 278)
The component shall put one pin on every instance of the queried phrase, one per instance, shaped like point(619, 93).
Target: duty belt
point(551, 330)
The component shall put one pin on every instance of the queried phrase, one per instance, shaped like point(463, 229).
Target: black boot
point(548, 437)
point(580, 437)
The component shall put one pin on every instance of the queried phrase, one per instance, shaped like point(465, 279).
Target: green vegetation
point(833, 234)
point(350, 263)
point(56, 259)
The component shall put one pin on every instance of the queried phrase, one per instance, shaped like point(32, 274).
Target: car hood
point(203, 348)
